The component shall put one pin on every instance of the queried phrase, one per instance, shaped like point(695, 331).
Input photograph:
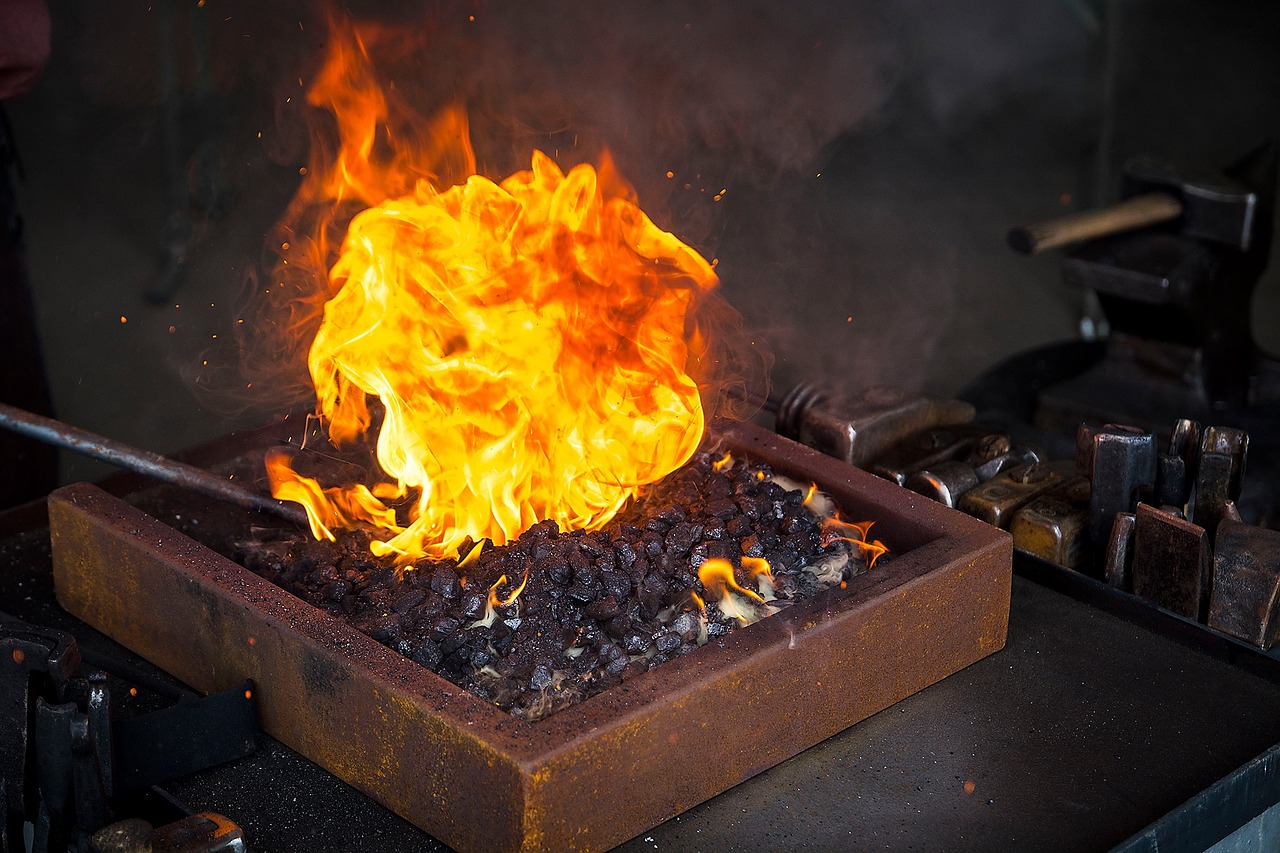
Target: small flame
point(702, 616)
point(326, 508)
point(819, 503)
point(836, 529)
point(495, 601)
point(723, 462)
point(759, 569)
point(734, 601)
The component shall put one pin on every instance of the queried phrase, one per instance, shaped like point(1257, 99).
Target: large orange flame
point(528, 340)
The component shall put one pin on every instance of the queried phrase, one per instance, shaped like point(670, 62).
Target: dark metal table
point(1093, 728)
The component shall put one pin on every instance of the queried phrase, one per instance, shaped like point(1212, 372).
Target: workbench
point(1103, 724)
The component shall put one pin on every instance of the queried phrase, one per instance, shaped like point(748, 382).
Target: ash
point(598, 608)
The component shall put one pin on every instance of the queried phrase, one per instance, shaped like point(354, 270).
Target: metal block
point(926, 448)
point(948, 482)
point(931, 447)
point(1171, 565)
point(996, 500)
point(945, 482)
point(1054, 525)
point(1117, 569)
point(1246, 583)
point(1215, 207)
point(860, 427)
point(1213, 490)
point(1234, 443)
point(1224, 453)
point(1119, 460)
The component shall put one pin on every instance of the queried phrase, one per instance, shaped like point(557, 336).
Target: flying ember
point(527, 341)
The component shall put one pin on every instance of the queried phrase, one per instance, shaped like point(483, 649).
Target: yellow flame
point(759, 569)
point(722, 587)
point(495, 601)
point(473, 557)
point(855, 533)
point(528, 341)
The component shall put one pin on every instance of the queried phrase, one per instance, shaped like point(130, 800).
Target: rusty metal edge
point(958, 567)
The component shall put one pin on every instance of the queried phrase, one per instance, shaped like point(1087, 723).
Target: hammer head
point(1214, 207)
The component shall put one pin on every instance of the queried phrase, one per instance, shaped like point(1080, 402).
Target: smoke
point(688, 105)
point(749, 89)
point(741, 126)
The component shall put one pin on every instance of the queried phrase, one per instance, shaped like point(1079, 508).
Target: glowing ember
point(528, 341)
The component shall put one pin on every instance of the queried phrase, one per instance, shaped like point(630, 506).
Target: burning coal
point(555, 616)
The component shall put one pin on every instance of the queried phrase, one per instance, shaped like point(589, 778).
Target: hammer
point(1205, 206)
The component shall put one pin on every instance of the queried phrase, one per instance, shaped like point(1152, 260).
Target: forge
point(599, 772)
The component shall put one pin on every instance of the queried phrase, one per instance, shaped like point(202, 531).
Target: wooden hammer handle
point(1136, 212)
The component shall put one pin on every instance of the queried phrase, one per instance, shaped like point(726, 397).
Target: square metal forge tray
point(597, 773)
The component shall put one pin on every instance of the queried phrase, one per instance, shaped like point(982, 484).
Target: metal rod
point(143, 462)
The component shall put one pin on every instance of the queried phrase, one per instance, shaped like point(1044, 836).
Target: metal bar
point(144, 462)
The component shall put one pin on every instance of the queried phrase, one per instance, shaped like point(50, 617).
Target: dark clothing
point(28, 469)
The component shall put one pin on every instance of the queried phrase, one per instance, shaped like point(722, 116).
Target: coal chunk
point(667, 641)
point(383, 628)
point(722, 508)
point(616, 584)
point(583, 593)
point(445, 582)
point(428, 654)
point(687, 626)
point(337, 590)
point(636, 642)
point(604, 609)
point(407, 600)
point(682, 537)
point(473, 604)
point(625, 551)
point(542, 678)
point(444, 627)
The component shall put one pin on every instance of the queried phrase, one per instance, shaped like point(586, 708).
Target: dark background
point(872, 156)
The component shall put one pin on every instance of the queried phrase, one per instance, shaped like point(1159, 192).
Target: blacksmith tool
point(205, 832)
point(1118, 566)
point(1220, 476)
point(1245, 599)
point(1171, 562)
point(996, 500)
point(62, 756)
point(144, 462)
point(1203, 206)
point(1054, 526)
point(1176, 469)
point(860, 427)
point(35, 663)
point(926, 448)
point(948, 482)
point(1119, 460)
point(1177, 297)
